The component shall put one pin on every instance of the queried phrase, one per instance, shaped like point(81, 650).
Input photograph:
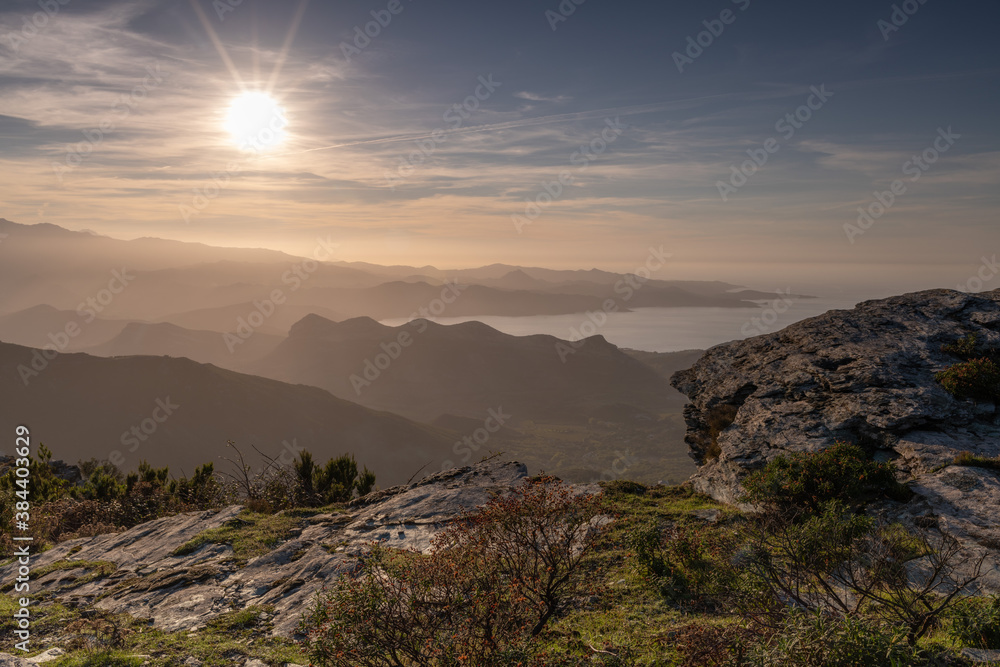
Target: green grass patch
point(970, 460)
point(96, 569)
point(229, 639)
point(250, 534)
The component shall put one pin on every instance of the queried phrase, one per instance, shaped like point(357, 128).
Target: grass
point(96, 569)
point(624, 613)
point(970, 460)
point(250, 534)
point(628, 611)
point(231, 638)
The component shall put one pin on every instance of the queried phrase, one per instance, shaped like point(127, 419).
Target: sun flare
point(256, 121)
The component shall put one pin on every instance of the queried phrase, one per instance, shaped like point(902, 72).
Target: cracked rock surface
point(183, 592)
point(865, 376)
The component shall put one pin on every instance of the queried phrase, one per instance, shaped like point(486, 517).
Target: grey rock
point(8, 660)
point(708, 515)
point(47, 656)
point(864, 376)
point(981, 654)
point(184, 592)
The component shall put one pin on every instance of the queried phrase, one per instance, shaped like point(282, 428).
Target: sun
point(256, 121)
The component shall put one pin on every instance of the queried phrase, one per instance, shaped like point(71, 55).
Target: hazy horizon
point(432, 139)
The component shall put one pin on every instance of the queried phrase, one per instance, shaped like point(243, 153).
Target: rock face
point(864, 376)
point(183, 592)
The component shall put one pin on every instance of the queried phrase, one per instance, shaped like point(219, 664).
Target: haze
point(374, 155)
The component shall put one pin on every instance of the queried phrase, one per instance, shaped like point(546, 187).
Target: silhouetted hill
point(83, 406)
point(206, 347)
point(424, 370)
point(38, 325)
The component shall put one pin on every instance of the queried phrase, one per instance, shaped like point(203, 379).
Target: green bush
point(804, 481)
point(964, 348)
point(687, 565)
point(335, 482)
point(817, 639)
point(978, 379)
point(975, 622)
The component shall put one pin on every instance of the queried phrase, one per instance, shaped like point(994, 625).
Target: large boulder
point(864, 376)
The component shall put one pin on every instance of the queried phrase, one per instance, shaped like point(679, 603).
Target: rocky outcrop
point(138, 572)
point(864, 376)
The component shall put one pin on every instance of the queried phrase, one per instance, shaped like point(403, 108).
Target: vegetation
point(110, 501)
point(491, 584)
point(805, 481)
point(971, 460)
point(93, 637)
point(977, 379)
point(544, 576)
point(976, 622)
point(250, 534)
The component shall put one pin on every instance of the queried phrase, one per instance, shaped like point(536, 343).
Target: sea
point(665, 329)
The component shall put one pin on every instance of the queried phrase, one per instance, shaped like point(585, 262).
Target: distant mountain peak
point(317, 325)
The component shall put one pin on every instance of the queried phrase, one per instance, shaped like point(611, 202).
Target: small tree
point(491, 583)
point(845, 564)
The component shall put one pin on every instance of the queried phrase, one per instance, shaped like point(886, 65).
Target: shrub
point(805, 480)
point(335, 482)
point(718, 419)
point(683, 563)
point(978, 379)
point(964, 348)
point(491, 583)
point(819, 640)
point(975, 622)
point(840, 563)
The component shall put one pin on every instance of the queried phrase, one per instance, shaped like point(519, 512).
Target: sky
point(746, 138)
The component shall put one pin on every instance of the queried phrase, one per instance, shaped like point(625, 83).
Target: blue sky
point(351, 165)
